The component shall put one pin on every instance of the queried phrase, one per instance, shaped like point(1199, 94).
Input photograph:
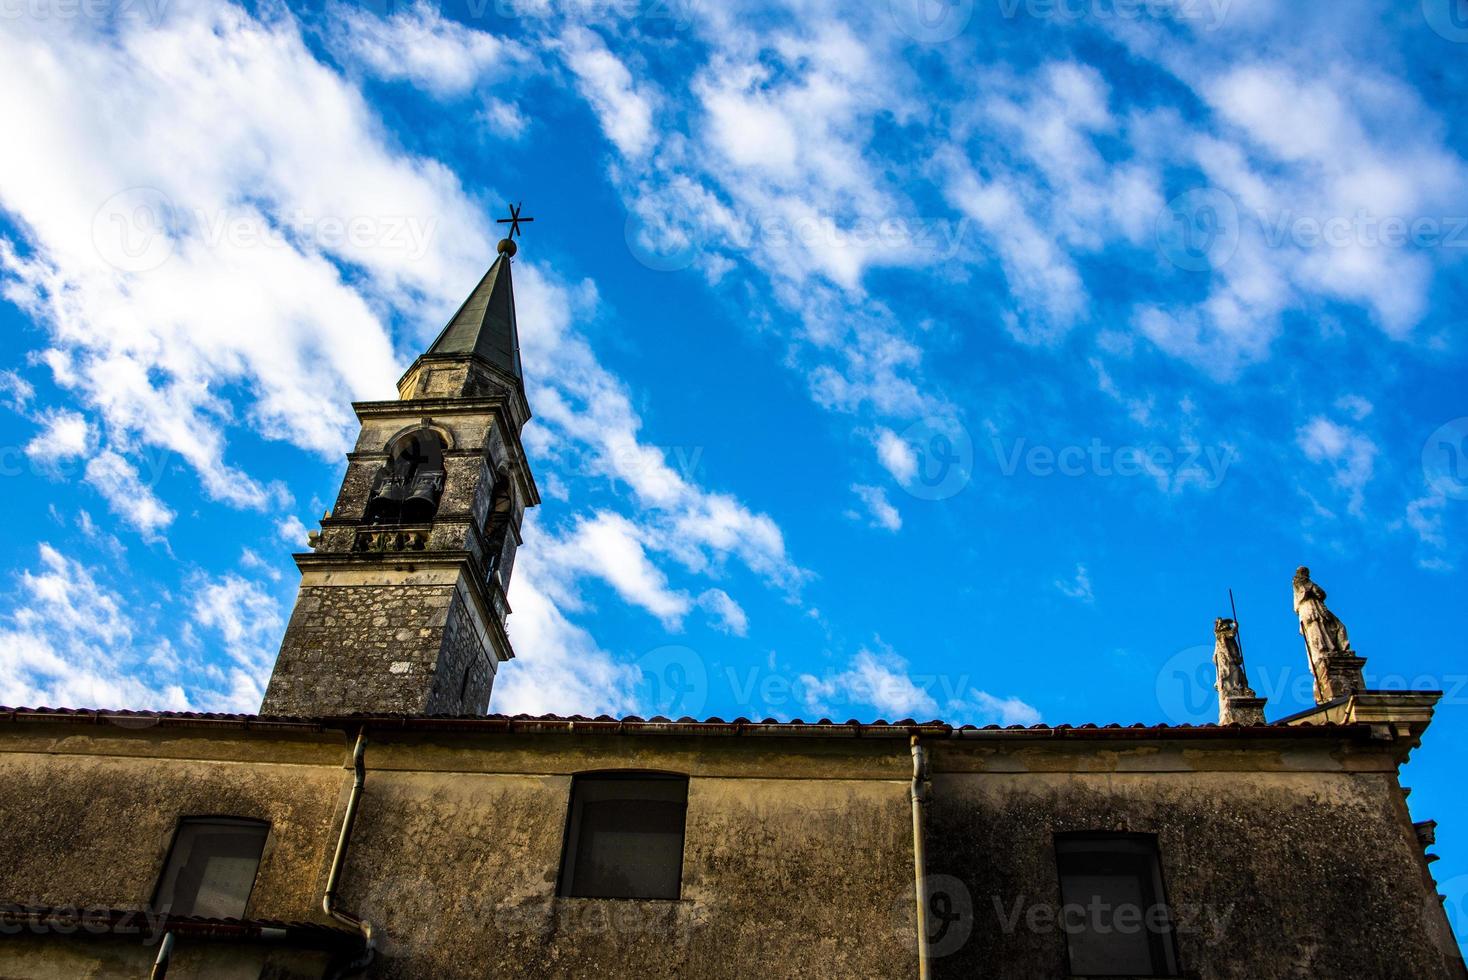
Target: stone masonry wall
point(361, 648)
point(465, 672)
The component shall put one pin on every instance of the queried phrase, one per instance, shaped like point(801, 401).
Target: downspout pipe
point(165, 956)
point(338, 860)
point(919, 793)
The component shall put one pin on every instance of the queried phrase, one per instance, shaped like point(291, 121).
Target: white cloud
point(67, 641)
point(896, 456)
point(128, 497)
point(291, 531)
point(983, 708)
point(1078, 588)
point(559, 668)
point(166, 269)
point(418, 44)
point(624, 110)
point(727, 615)
point(881, 682)
point(879, 509)
point(1349, 452)
point(247, 619)
point(608, 546)
point(504, 119)
point(65, 435)
point(17, 390)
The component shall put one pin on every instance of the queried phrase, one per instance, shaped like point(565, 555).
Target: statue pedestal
point(1241, 711)
point(1343, 676)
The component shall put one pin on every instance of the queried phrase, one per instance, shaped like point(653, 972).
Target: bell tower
point(402, 606)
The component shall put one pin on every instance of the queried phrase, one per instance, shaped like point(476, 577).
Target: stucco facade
point(1286, 851)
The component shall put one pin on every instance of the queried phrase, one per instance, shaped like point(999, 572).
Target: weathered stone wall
point(88, 816)
point(354, 648)
point(796, 863)
point(1284, 861)
point(1280, 860)
point(465, 672)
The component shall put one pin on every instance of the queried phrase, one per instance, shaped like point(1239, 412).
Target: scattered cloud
point(1350, 453)
point(879, 510)
point(1079, 587)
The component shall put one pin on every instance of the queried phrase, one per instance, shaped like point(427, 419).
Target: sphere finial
point(507, 247)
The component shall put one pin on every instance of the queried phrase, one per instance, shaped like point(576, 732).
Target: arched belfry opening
point(409, 485)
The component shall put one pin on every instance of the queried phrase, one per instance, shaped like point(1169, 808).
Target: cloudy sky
point(922, 358)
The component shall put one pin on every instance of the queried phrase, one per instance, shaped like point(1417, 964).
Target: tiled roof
point(633, 724)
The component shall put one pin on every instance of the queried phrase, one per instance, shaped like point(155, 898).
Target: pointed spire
point(485, 325)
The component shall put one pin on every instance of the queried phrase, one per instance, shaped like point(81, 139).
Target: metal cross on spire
point(514, 220)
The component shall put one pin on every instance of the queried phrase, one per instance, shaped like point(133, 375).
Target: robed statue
point(1325, 635)
point(1228, 658)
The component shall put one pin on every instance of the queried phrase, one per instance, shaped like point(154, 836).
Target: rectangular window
point(1115, 915)
point(624, 838)
point(211, 867)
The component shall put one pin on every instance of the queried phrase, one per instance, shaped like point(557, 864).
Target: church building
point(377, 819)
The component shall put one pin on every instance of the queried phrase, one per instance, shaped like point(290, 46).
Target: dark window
point(1115, 915)
point(211, 867)
point(624, 838)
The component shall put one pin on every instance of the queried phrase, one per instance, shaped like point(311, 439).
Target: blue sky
point(921, 358)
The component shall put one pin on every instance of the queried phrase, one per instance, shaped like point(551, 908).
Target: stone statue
point(1237, 702)
point(1229, 660)
point(1335, 665)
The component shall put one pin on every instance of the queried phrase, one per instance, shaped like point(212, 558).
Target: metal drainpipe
point(328, 901)
point(165, 954)
point(920, 791)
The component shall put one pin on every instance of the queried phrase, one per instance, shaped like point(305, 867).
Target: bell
point(422, 502)
point(387, 499)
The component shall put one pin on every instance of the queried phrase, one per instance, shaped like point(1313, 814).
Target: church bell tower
point(402, 599)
